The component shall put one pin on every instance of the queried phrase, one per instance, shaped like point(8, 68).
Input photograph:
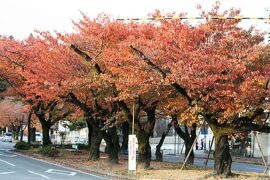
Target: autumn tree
point(220, 69)
point(101, 48)
point(27, 59)
point(13, 116)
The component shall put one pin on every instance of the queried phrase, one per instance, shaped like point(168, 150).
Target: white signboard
point(132, 152)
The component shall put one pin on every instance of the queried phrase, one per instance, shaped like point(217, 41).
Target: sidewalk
point(203, 155)
point(239, 159)
point(239, 163)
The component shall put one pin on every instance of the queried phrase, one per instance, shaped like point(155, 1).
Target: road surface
point(200, 162)
point(17, 167)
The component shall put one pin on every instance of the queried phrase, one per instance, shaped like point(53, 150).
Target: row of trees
point(214, 70)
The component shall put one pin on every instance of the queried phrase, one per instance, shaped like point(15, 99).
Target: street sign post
point(132, 153)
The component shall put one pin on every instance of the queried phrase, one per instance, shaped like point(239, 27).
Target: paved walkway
point(239, 163)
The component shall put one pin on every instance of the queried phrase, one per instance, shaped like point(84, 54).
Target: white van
point(38, 137)
point(7, 137)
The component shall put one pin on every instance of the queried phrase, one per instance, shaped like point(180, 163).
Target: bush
point(22, 145)
point(83, 146)
point(49, 151)
point(35, 145)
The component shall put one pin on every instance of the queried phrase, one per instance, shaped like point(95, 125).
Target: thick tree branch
point(249, 127)
point(13, 61)
point(51, 105)
point(266, 84)
point(61, 117)
point(39, 112)
point(73, 99)
point(163, 75)
point(81, 53)
point(178, 129)
point(86, 57)
point(148, 62)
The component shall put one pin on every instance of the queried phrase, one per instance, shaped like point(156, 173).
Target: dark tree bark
point(144, 150)
point(16, 133)
point(32, 134)
point(29, 126)
point(46, 118)
point(188, 138)
point(21, 138)
point(222, 157)
point(143, 134)
point(113, 147)
point(95, 144)
point(46, 132)
point(125, 132)
point(159, 155)
point(188, 145)
point(90, 131)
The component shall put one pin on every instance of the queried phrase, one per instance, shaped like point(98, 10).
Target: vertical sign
point(132, 152)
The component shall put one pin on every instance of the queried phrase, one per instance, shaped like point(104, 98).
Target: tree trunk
point(222, 157)
point(46, 133)
point(144, 150)
point(125, 132)
point(95, 144)
point(32, 134)
point(159, 154)
point(113, 146)
point(17, 131)
point(188, 145)
point(188, 137)
point(90, 131)
point(21, 138)
point(29, 127)
point(144, 134)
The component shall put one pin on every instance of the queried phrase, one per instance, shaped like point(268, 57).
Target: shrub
point(22, 145)
point(49, 151)
point(35, 145)
point(83, 146)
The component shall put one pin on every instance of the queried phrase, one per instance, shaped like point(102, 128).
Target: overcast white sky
point(21, 17)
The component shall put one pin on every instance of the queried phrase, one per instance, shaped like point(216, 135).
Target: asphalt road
point(200, 162)
point(17, 167)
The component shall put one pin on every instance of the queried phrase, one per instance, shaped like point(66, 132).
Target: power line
point(198, 17)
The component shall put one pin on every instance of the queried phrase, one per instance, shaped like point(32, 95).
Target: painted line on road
point(2, 173)
point(6, 150)
point(39, 174)
point(5, 155)
point(58, 165)
point(7, 163)
point(62, 172)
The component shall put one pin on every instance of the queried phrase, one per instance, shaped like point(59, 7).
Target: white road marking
point(39, 174)
point(59, 165)
point(7, 172)
point(5, 155)
point(7, 163)
point(62, 172)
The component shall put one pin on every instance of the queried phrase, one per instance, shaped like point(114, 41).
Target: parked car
point(7, 137)
point(38, 137)
point(82, 141)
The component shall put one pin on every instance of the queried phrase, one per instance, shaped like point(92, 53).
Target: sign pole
point(133, 118)
point(132, 140)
